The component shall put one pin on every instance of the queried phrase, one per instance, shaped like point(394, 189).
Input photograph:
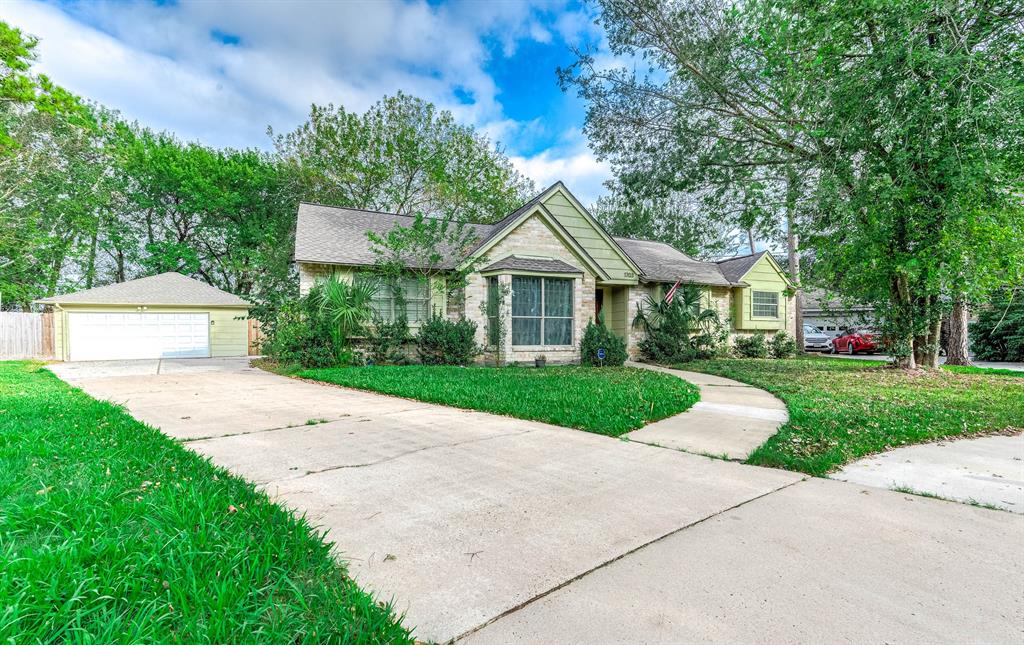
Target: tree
point(423, 249)
point(678, 220)
point(402, 156)
point(900, 124)
point(20, 88)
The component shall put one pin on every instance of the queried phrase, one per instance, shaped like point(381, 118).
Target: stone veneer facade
point(534, 237)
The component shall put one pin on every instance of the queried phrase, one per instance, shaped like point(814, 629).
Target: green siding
point(579, 226)
point(618, 314)
point(762, 277)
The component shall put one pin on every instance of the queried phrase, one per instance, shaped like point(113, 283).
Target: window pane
point(558, 297)
point(415, 288)
point(526, 331)
point(525, 296)
point(765, 304)
point(492, 310)
point(558, 331)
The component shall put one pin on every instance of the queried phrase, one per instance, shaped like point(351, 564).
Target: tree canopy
point(889, 134)
point(87, 198)
point(403, 156)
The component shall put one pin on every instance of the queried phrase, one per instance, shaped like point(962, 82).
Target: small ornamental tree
point(680, 330)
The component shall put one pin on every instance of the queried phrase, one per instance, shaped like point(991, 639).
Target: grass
point(970, 502)
point(112, 532)
point(990, 371)
point(609, 401)
point(841, 410)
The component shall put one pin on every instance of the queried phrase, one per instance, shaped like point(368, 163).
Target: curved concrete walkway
point(730, 420)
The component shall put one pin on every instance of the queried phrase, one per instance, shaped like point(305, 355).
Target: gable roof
point(506, 222)
point(532, 264)
point(169, 288)
point(336, 235)
point(735, 268)
point(662, 262)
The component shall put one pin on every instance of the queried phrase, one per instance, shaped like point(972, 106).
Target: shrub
point(301, 335)
point(445, 342)
point(782, 345)
point(597, 336)
point(999, 333)
point(386, 341)
point(751, 346)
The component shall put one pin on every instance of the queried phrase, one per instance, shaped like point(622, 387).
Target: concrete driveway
point(492, 529)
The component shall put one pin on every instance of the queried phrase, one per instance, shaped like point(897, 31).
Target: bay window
point(542, 311)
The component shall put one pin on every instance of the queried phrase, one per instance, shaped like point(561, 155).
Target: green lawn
point(112, 532)
point(609, 401)
point(841, 410)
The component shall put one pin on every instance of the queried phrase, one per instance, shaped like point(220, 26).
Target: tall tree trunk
point(90, 268)
point(956, 352)
point(793, 253)
point(750, 240)
point(931, 354)
point(906, 344)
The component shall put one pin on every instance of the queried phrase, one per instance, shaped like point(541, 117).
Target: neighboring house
point(559, 267)
point(832, 315)
point(162, 316)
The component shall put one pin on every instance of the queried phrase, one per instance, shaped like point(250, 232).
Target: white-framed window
point(542, 311)
point(765, 304)
point(415, 297)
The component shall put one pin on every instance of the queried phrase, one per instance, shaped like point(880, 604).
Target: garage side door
point(115, 336)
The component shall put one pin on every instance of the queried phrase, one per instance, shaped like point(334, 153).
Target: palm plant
point(675, 330)
point(347, 307)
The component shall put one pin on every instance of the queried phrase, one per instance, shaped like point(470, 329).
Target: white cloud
point(161, 65)
point(573, 163)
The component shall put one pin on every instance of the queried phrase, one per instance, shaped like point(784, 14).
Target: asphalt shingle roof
point(334, 235)
point(662, 262)
point(169, 288)
point(533, 264)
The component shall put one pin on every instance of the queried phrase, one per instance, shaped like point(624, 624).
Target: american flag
point(672, 292)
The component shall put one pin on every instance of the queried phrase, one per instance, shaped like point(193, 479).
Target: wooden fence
point(26, 335)
point(256, 337)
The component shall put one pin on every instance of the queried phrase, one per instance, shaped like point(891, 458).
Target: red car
point(852, 341)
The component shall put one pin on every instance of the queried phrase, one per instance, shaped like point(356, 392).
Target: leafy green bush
point(782, 345)
point(751, 346)
point(999, 333)
point(445, 342)
point(597, 336)
point(677, 331)
point(386, 341)
point(302, 335)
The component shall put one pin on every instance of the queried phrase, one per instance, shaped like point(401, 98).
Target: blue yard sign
point(600, 353)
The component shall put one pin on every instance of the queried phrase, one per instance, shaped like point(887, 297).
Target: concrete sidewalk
point(984, 470)
point(730, 420)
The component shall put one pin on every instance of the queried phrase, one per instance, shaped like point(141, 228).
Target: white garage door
point(107, 336)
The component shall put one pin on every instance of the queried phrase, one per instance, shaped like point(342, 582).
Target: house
point(162, 316)
point(833, 315)
point(559, 267)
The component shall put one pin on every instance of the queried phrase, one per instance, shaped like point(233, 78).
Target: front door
point(598, 302)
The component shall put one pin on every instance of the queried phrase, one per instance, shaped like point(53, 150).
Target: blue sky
point(221, 73)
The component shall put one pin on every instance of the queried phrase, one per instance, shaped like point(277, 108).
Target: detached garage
point(162, 316)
